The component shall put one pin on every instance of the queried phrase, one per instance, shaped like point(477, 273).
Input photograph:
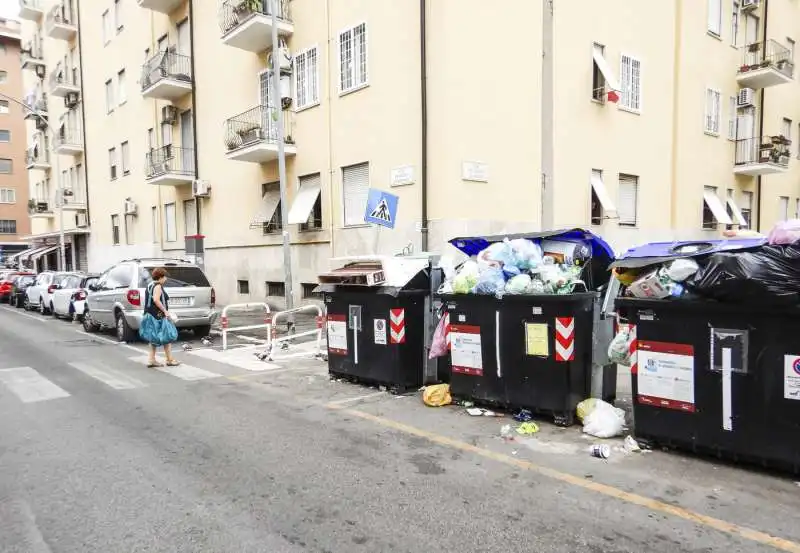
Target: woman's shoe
point(173, 363)
point(154, 364)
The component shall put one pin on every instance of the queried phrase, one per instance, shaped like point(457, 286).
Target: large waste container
point(714, 377)
point(377, 320)
point(534, 351)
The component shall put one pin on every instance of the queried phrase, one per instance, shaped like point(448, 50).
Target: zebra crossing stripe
point(112, 378)
point(184, 372)
point(30, 386)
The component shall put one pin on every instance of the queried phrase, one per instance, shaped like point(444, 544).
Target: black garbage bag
point(769, 275)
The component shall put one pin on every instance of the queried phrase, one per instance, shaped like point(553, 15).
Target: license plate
point(181, 301)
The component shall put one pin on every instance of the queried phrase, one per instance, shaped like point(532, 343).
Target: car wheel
point(53, 311)
point(12, 301)
point(124, 332)
point(42, 308)
point(202, 331)
point(26, 304)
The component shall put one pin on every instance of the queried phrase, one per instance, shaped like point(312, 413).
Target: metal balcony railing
point(33, 49)
point(169, 160)
point(760, 55)
point(33, 4)
point(75, 194)
point(37, 154)
point(62, 76)
point(259, 124)
point(60, 14)
point(68, 136)
point(166, 65)
point(233, 13)
point(766, 149)
point(36, 103)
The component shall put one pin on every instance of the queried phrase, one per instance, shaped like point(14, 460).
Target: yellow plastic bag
point(437, 395)
point(585, 407)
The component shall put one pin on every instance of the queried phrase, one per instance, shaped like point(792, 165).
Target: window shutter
point(732, 118)
point(715, 16)
point(625, 80)
point(636, 84)
point(355, 185)
point(628, 199)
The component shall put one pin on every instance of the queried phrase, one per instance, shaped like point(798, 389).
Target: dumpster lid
point(384, 271)
point(661, 252)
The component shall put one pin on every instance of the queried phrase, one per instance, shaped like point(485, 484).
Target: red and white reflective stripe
point(224, 322)
point(320, 321)
point(565, 339)
point(397, 325)
point(447, 329)
point(633, 350)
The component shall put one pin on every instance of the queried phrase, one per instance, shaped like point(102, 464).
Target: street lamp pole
point(60, 195)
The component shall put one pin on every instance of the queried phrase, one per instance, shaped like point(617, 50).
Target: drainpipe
point(423, 61)
point(83, 130)
point(194, 110)
point(761, 114)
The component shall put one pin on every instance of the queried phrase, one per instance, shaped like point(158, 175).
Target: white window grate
point(713, 108)
point(355, 189)
point(170, 228)
point(353, 58)
point(631, 83)
point(732, 103)
point(628, 200)
point(306, 78)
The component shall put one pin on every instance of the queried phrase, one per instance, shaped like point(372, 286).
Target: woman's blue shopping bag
point(157, 331)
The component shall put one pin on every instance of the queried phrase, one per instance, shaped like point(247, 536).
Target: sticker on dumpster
point(565, 339)
point(791, 377)
point(379, 331)
point(665, 375)
point(337, 334)
point(465, 344)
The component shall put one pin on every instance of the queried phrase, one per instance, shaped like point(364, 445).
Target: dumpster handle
point(497, 342)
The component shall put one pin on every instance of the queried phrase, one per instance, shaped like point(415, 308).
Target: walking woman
point(157, 327)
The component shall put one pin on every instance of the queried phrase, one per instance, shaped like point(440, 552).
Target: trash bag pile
point(521, 267)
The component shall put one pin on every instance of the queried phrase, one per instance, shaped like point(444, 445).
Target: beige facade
point(649, 122)
point(14, 223)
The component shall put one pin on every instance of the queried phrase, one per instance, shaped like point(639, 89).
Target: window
point(797, 208)
point(735, 23)
point(3, 106)
point(732, 114)
point(126, 157)
point(115, 230)
point(786, 128)
point(712, 111)
point(315, 219)
point(306, 209)
point(631, 83)
point(308, 290)
point(109, 96)
point(129, 227)
point(275, 289)
point(112, 163)
point(189, 217)
point(355, 189)
point(306, 78)
point(121, 84)
point(119, 276)
point(3, 76)
point(270, 216)
point(747, 208)
point(714, 212)
point(628, 202)
point(353, 58)
point(243, 286)
point(5, 135)
point(118, 15)
point(154, 223)
point(169, 223)
point(8, 196)
point(107, 31)
point(601, 205)
point(6, 167)
point(8, 226)
point(598, 79)
point(791, 44)
point(151, 139)
point(715, 17)
point(783, 208)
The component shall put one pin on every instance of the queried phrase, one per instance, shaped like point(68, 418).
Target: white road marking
point(29, 386)
point(355, 399)
point(184, 372)
point(109, 340)
point(39, 318)
point(111, 377)
point(241, 359)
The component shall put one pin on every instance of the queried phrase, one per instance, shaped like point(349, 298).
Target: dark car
point(6, 282)
point(19, 284)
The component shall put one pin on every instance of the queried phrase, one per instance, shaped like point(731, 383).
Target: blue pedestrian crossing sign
point(381, 208)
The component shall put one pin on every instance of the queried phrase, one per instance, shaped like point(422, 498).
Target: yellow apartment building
point(641, 120)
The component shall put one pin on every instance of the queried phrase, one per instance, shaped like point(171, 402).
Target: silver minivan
point(116, 299)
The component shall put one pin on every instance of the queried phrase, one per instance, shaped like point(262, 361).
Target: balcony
point(247, 24)
point(37, 157)
point(40, 209)
point(765, 65)
point(68, 142)
point(31, 10)
point(32, 57)
point(75, 198)
point(60, 24)
point(62, 83)
point(170, 166)
point(161, 6)
point(767, 155)
point(36, 106)
point(167, 76)
point(253, 135)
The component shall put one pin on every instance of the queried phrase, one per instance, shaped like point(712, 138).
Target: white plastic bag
point(681, 269)
point(619, 350)
point(604, 421)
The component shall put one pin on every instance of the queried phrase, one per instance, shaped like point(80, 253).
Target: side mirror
point(93, 287)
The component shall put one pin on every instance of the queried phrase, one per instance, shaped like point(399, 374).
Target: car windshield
point(178, 277)
point(25, 280)
point(88, 282)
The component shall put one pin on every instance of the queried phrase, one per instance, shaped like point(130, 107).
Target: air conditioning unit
point(71, 100)
point(41, 122)
point(40, 71)
point(201, 188)
point(750, 4)
point(169, 115)
point(81, 220)
point(284, 59)
point(746, 98)
point(130, 207)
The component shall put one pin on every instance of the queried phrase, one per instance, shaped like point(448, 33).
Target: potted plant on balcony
point(246, 7)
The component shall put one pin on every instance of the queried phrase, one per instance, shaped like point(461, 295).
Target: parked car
point(34, 295)
point(6, 279)
point(79, 304)
point(117, 299)
point(66, 292)
point(18, 286)
point(46, 305)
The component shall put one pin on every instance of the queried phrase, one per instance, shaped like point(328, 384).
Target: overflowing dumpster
point(528, 329)
point(714, 355)
point(378, 318)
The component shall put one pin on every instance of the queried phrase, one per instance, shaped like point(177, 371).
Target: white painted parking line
point(15, 311)
point(240, 359)
point(111, 377)
point(29, 386)
point(345, 401)
point(184, 372)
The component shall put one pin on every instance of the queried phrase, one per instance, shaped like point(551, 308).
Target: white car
point(80, 305)
point(34, 294)
point(69, 295)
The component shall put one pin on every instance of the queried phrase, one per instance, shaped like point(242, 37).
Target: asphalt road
point(100, 454)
